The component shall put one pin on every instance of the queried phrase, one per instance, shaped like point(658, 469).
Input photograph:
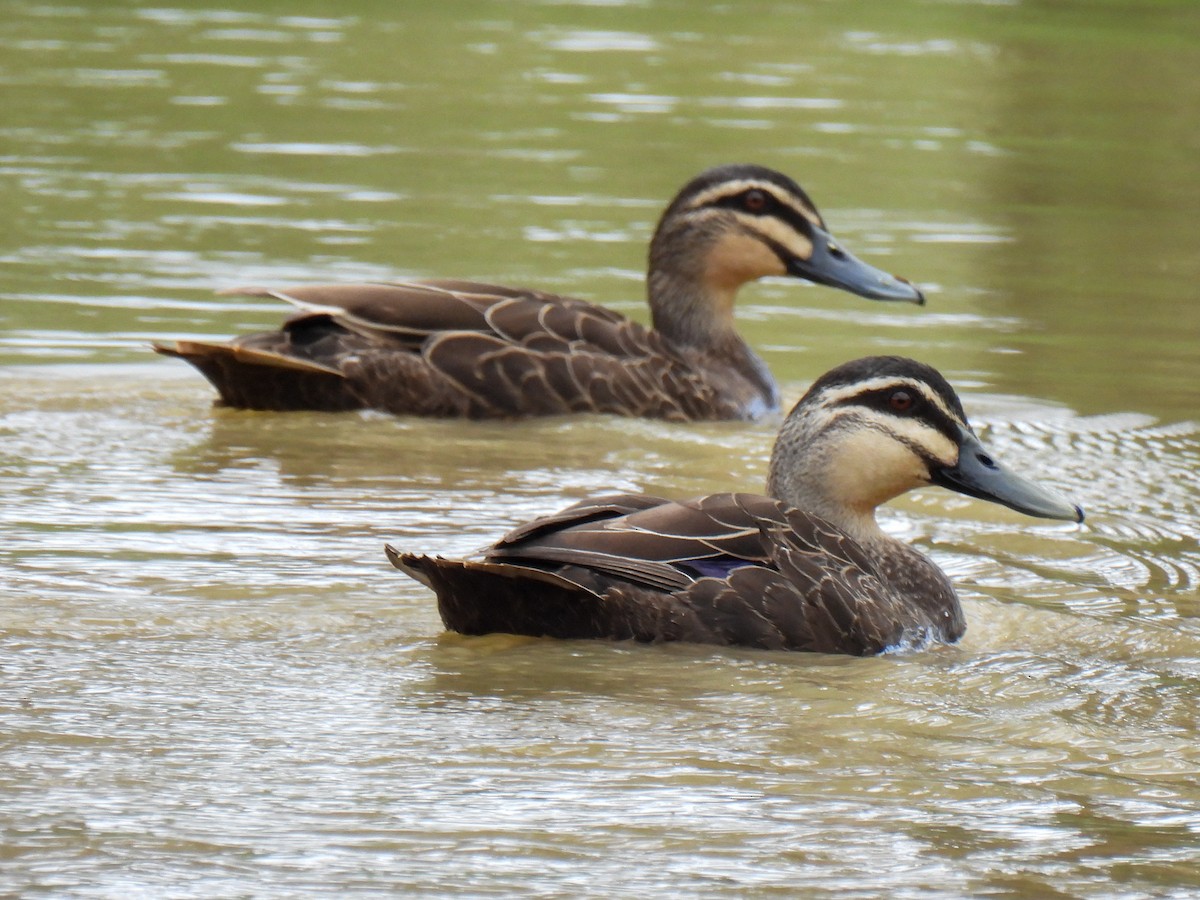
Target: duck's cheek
point(875, 468)
point(738, 257)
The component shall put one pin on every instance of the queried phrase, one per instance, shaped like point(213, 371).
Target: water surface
point(213, 684)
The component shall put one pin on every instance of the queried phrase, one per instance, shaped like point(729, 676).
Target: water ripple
point(1139, 552)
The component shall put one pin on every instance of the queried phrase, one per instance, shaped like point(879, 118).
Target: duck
point(462, 349)
point(805, 567)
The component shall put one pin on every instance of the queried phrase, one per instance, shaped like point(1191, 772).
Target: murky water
point(213, 684)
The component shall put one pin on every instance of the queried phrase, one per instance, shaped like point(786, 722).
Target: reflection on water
point(212, 682)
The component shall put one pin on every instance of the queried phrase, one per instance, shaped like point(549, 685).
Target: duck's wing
point(541, 354)
point(736, 569)
point(400, 312)
point(648, 541)
point(593, 509)
point(818, 591)
point(455, 348)
point(748, 569)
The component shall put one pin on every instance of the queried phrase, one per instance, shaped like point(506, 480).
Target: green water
point(212, 683)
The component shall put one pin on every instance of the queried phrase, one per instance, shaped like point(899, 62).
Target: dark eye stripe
point(922, 410)
point(773, 207)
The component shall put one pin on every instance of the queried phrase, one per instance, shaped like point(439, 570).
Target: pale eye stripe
point(921, 438)
point(777, 232)
point(924, 440)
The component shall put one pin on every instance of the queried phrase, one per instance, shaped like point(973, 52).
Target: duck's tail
point(480, 597)
point(248, 377)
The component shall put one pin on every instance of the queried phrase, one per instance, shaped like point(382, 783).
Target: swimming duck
point(804, 568)
point(463, 349)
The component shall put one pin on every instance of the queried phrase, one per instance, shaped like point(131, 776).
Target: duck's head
point(737, 223)
point(872, 429)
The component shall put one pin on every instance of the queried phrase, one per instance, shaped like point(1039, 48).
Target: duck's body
point(466, 349)
point(806, 568)
point(732, 569)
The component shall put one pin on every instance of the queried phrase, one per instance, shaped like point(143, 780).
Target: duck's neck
point(805, 473)
point(696, 317)
point(688, 311)
point(691, 298)
point(860, 524)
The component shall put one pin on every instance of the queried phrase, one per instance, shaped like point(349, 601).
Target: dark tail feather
point(486, 598)
point(247, 378)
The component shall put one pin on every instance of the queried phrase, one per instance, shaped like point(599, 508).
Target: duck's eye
point(901, 401)
point(755, 201)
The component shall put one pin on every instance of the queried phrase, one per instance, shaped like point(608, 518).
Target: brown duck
point(462, 349)
point(805, 568)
